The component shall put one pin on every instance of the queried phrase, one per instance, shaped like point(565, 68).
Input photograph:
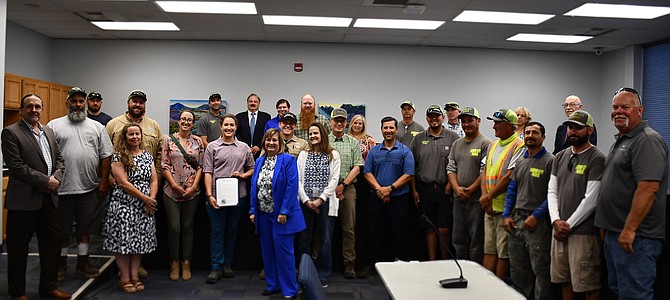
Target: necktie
point(252, 126)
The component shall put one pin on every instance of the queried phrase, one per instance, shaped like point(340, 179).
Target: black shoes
point(268, 293)
point(228, 272)
point(214, 276)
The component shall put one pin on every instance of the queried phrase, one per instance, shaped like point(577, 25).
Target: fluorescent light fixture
point(499, 17)
point(306, 21)
point(398, 24)
point(202, 7)
point(549, 38)
point(623, 11)
point(148, 26)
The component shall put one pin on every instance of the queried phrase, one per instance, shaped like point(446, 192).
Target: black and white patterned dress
point(129, 230)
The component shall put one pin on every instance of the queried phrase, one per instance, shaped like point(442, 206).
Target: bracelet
point(209, 196)
point(345, 185)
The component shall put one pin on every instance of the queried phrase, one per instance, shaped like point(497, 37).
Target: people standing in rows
point(94, 112)
point(523, 118)
point(309, 113)
point(319, 171)
point(526, 217)
point(573, 193)
point(86, 149)
point(226, 157)
point(351, 162)
point(500, 160)
point(251, 124)
point(282, 106)
point(183, 156)
point(209, 124)
point(464, 172)
point(453, 122)
point(276, 213)
point(571, 104)
point(430, 186)
point(130, 228)
point(632, 203)
point(35, 168)
point(388, 170)
point(408, 128)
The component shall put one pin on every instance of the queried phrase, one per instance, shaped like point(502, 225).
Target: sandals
point(139, 286)
point(127, 287)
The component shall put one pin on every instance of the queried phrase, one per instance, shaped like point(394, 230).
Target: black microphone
point(449, 283)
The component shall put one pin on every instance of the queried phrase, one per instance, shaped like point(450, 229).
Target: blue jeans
point(632, 276)
point(325, 225)
point(223, 232)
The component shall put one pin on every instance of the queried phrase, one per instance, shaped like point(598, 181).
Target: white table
point(420, 280)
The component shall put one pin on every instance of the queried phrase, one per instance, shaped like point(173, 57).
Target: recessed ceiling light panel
point(499, 17)
point(398, 24)
point(146, 26)
point(619, 11)
point(306, 21)
point(204, 7)
point(548, 38)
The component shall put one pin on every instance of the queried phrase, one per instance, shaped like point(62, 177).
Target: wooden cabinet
point(53, 97)
point(13, 86)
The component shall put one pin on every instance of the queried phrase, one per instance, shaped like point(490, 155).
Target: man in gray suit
point(35, 171)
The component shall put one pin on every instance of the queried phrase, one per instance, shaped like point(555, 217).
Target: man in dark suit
point(35, 171)
point(572, 103)
point(251, 124)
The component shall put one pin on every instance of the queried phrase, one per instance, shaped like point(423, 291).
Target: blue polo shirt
point(273, 123)
point(388, 165)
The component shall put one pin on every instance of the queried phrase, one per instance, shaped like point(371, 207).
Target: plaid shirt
point(303, 134)
point(350, 153)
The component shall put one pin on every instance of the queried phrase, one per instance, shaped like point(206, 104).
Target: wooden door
point(12, 92)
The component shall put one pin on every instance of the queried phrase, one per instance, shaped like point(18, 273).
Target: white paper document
point(227, 191)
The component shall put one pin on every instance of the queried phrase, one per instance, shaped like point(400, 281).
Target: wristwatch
point(393, 187)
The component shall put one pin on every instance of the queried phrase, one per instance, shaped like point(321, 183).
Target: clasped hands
point(384, 193)
point(150, 205)
point(314, 204)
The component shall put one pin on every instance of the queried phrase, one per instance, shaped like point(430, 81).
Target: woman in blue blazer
point(276, 212)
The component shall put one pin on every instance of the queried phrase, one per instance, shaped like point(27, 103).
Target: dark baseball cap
point(214, 95)
point(75, 90)
point(289, 116)
point(469, 111)
point(452, 104)
point(408, 102)
point(434, 109)
point(94, 94)
point(581, 118)
point(138, 93)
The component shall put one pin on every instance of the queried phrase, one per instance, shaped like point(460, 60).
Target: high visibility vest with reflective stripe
point(494, 170)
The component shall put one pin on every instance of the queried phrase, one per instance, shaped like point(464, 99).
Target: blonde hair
point(524, 111)
point(354, 119)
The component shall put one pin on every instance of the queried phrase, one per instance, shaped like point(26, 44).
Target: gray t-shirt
point(407, 132)
point(638, 155)
point(83, 145)
point(532, 175)
point(586, 166)
point(431, 155)
point(209, 126)
point(465, 160)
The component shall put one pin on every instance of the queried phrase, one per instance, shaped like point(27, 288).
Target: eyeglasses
point(501, 116)
point(573, 105)
point(186, 120)
point(629, 90)
point(571, 161)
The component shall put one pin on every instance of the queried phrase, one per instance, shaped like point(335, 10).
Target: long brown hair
point(324, 144)
point(121, 146)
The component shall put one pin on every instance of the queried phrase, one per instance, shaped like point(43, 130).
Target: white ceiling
point(69, 19)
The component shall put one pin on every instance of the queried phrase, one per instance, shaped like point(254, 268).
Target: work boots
point(174, 270)
point(84, 267)
point(186, 270)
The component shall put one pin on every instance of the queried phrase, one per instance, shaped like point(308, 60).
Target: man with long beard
point(573, 192)
point(308, 116)
point(85, 147)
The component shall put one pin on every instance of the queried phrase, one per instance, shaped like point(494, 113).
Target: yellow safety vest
point(494, 169)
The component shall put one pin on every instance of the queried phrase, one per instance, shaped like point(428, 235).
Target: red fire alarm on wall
point(297, 67)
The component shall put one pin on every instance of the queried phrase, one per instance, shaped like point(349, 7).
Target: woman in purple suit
point(276, 212)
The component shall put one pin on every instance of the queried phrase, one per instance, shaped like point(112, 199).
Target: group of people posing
point(508, 204)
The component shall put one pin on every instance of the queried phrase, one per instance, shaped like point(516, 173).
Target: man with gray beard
point(86, 148)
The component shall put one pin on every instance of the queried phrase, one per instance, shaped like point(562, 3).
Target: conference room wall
point(28, 53)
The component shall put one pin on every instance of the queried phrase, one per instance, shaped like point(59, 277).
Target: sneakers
point(324, 283)
point(228, 272)
point(174, 270)
point(84, 267)
point(62, 267)
point(349, 271)
point(214, 276)
point(365, 272)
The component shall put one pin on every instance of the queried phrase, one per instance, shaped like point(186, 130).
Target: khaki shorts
point(576, 260)
point(495, 237)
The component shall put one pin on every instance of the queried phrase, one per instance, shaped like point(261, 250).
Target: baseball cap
point(75, 90)
point(289, 116)
point(338, 113)
point(504, 115)
point(214, 95)
point(434, 109)
point(410, 103)
point(92, 95)
point(469, 111)
point(138, 93)
point(581, 118)
point(452, 104)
